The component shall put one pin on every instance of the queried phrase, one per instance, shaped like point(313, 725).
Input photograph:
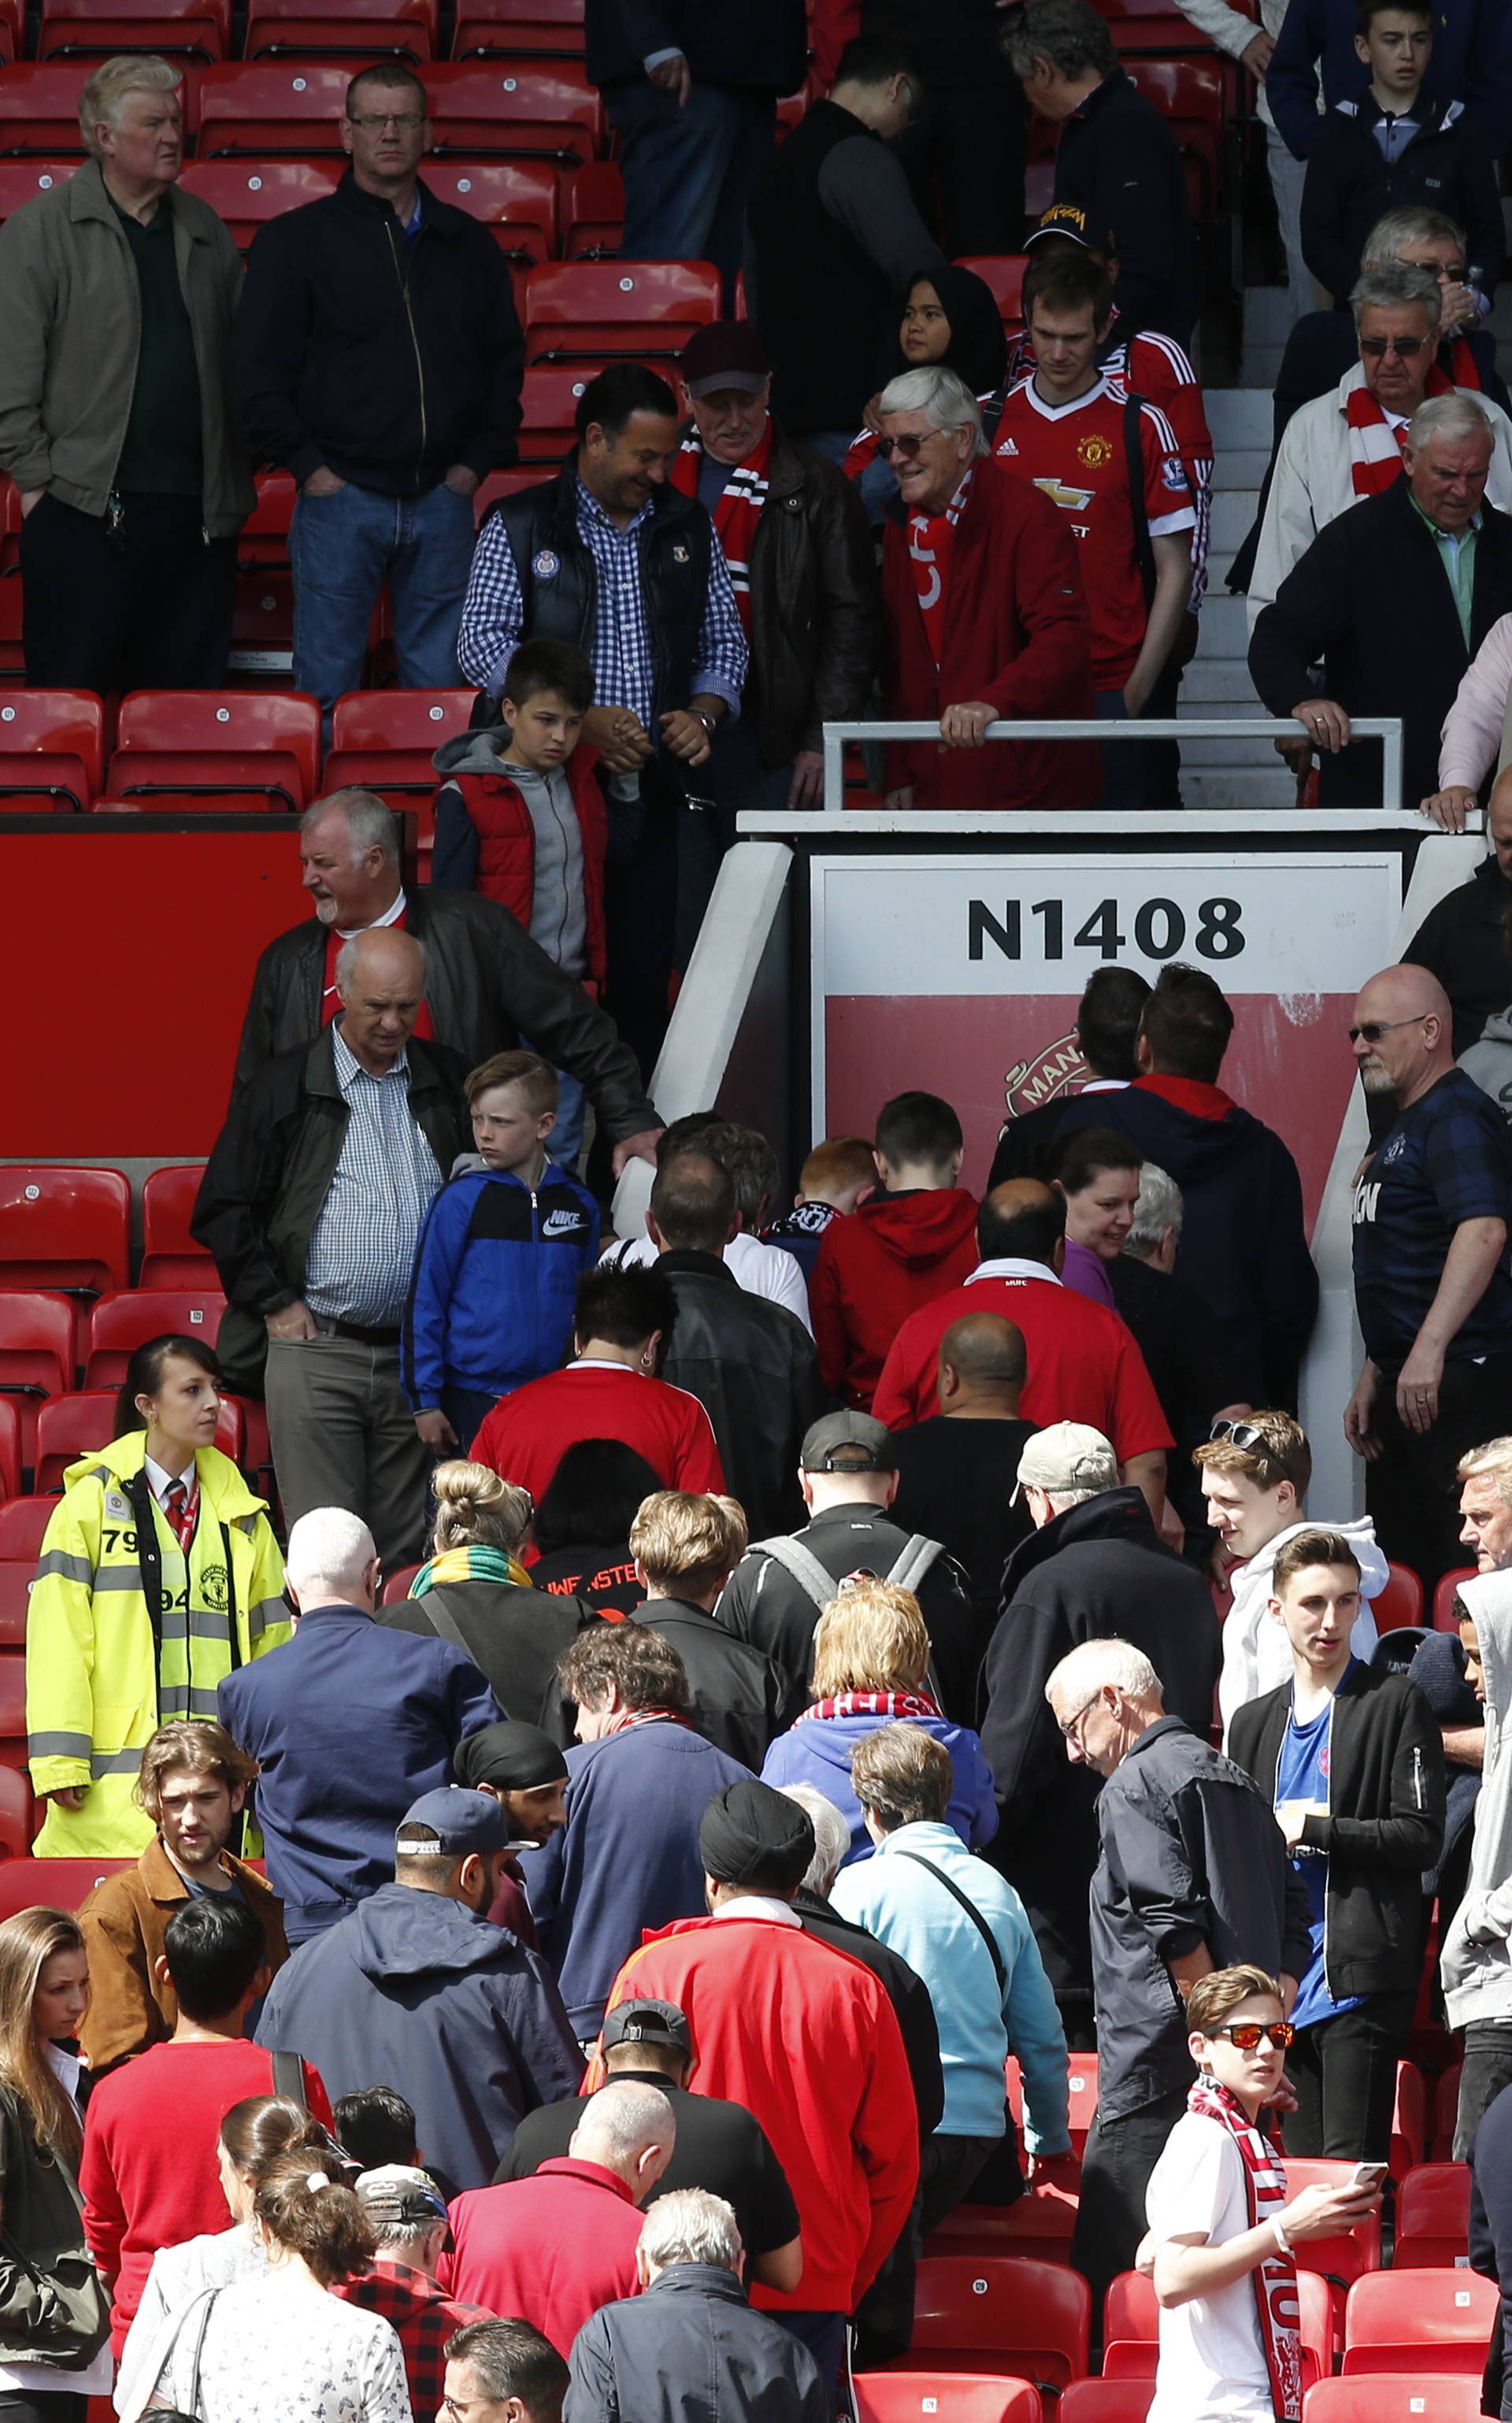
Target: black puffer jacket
point(752, 1366)
point(815, 605)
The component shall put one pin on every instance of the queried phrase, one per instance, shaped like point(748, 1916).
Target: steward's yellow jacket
point(124, 1631)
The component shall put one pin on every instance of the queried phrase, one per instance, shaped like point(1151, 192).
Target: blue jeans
point(343, 548)
point(688, 173)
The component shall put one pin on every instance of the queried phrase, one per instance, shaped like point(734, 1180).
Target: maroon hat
point(728, 353)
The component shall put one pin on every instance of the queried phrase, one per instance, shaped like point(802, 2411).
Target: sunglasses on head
point(1246, 2034)
point(1403, 347)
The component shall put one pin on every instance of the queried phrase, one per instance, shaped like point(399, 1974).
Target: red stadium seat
point(1081, 2095)
point(69, 1427)
point(180, 30)
point(1105, 2401)
point(256, 110)
point(52, 747)
point(1004, 272)
point(397, 1585)
point(383, 740)
point(17, 1815)
point(1031, 2317)
point(171, 1256)
point(248, 193)
point(40, 109)
point(1444, 1618)
point(1394, 2397)
point(22, 181)
point(1431, 2321)
point(520, 29)
point(945, 2398)
point(217, 749)
point(499, 484)
point(1433, 2215)
point(1131, 2328)
point(1400, 1602)
point(537, 112)
point(9, 1450)
point(303, 29)
point(36, 1356)
point(1340, 2261)
point(598, 311)
point(13, 1709)
point(1409, 2119)
point(52, 1884)
point(63, 1227)
point(593, 211)
point(1189, 95)
point(119, 1324)
point(23, 1522)
point(518, 198)
point(1038, 2226)
point(12, 30)
point(548, 406)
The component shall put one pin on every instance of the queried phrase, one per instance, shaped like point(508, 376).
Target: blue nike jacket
point(496, 1278)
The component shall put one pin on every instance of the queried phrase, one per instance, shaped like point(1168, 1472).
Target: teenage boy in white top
point(1254, 1475)
point(1222, 2229)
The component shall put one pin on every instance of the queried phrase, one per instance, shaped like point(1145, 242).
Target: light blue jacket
point(912, 1912)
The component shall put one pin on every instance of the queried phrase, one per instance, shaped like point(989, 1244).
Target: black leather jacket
point(816, 604)
point(752, 1366)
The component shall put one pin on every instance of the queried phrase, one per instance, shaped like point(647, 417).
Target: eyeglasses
point(1246, 2034)
point(1403, 347)
point(1375, 1028)
point(908, 447)
point(406, 119)
point(1069, 1729)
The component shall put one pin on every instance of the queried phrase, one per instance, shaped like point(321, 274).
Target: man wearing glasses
point(1192, 1875)
point(377, 357)
point(1433, 1284)
point(1348, 444)
point(502, 2372)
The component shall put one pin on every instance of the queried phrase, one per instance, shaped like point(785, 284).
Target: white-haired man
point(688, 2349)
point(355, 1725)
point(313, 1205)
point(117, 295)
point(1432, 536)
point(986, 616)
point(1192, 1875)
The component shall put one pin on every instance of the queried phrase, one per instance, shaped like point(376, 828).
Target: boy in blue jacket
point(499, 1257)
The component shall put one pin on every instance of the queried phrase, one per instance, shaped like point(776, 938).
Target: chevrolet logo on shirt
point(1072, 501)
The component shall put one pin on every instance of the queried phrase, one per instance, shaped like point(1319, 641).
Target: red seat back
point(415, 721)
point(502, 193)
point(1432, 2215)
point(593, 210)
point(1409, 2119)
point(62, 728)
point(52, 1884)
point(171, 1256)
point(1446, 1591)
point(17, 1814)
point(257, 110)
point(1131, 2327)
point(1004, 272)
point(514, 110)
point(1034, 2315)
point(248, 193)
point(164, 737)
point(63, 1227)
point(22, 181)
point(119, 1324)
point(1393, 2398)
point(1400, 1602)
point(37, 1355)
point(1438, 2320)
point(1106, 2401)
point(304, 29)
point(397, 1585)
point(945, 2398)
point(9, 1450)
point(70, 1427)
point(23, 1522)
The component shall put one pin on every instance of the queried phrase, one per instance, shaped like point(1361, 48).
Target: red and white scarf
point(627, 1721)
point(1374, 446)
point(931, 542)
point(896, 1707)
point(1275, 2279)
point(739, 510)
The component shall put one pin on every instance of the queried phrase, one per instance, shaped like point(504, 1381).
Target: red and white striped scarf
point(931, 542)
point(1275, 2279)
point(897, 1707)
point(1374, 446)
point(739, 510)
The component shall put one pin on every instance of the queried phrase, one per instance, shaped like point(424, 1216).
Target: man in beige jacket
point(117, 293)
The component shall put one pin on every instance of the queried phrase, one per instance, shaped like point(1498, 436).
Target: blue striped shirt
point(363, 1247)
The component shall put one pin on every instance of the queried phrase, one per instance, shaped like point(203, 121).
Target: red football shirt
point(1076, 455)
point(528, 1433)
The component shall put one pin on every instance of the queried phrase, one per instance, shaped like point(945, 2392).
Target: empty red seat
point(52, 1884)
point(499, 484)
point(18, 1815)
point(9, 1450)
point(394, 29)
point(69, 1427)
point(1400, 1602)
point(1339, 2260)
point(62, 1228)
point(12, 1709)
point(548, 408)
point(1081, 2095)
point(247, 194)
point(22, 181)
point(1444, 1618)
point(516, 199)
point(37, 1355)
point(397, 1585)
point(174, 30)
point(23, 1522)
point(1435, 2321)
point(52, 747)
point(120, 1323)
point(1004, 272)
point(545, 111)
point(973, 2312)
point(12, 30)
point(1105, 2401)
point(1038, 2226)
point(1432, 2216)
point(1393, 2398)
point(217, 749)
point(265, 111)
point(40, 109)
point(520, 29)
point(611, 310)
point(1409, 2119)
point(1189, 95)
point(945, 2398)
point(383, 740)
point(593, 211)
point(171, 1256)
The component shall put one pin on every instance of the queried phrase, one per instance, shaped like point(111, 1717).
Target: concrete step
point(1240, 467)
point(1260, 366)
point(1223, 629)
point(1239, 416)
point(1267, 314)
point(1234, 510)
point(1217, 686)
point(1239, 787)
point(1215, 754)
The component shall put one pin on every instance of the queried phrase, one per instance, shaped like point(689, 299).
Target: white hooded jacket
point(1257, 1656)
point(1476, 1962)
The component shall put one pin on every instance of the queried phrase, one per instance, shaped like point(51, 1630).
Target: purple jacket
point(816, 1751)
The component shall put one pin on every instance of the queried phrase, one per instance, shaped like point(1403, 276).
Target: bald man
point(1433, 1287)
point(312, 1204)
point(957, 1471)
point(1462, 940)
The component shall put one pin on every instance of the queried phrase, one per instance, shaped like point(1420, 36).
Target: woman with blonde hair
point(266, 2349)
point(54, 2316)
point(476, 1591)
point(871, 1667)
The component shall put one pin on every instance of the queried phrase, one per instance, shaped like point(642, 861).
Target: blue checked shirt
point(363, 1247)
point(493, 618)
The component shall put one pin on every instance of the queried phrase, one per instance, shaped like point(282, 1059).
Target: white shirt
point(1257, 1656)
point(1212, 2366)
point(1013, 1266)
point(1315, 481)
point(762, 1270)
point(160, 1483)
point(779, 1913)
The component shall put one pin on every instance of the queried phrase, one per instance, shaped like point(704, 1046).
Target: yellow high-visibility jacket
point(102, 1675)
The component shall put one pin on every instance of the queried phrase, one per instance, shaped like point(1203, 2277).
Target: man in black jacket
point(377, 356)
point(1352, 1761)
point(685, 1548)
point(1192, 1877)
point(1341, 607)
point(751, 1364)
point(613, 557)
point(1116, 158)
point(1095, 1569)
point(804, 575)
point(487, 982)
point(312, 1203)
point(1463, 939)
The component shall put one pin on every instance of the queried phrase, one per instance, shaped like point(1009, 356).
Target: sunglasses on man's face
point(1403, 347)
point(909, 447)
point(1246, 2034)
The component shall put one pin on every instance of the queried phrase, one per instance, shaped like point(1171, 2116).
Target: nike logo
point(562, 1223)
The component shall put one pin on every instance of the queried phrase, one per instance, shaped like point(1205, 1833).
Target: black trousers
point(1411, 1491)
point(1488, 2069)
point(1345, 2073)
point(42, 2406)
point(148, 609)
point(964, 154)
point(1115, 2173)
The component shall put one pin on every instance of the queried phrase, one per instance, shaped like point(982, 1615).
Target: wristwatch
point(701, 715)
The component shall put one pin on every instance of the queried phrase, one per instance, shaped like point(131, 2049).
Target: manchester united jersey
point(1076, 455)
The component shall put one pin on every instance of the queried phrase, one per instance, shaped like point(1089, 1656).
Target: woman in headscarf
point(950, 316)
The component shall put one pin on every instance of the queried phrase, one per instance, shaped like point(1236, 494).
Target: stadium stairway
point(1231, 773)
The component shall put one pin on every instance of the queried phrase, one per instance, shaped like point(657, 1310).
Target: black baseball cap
point(649, 2022)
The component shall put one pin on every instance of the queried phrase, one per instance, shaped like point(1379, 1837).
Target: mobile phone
point(1367, 2178)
